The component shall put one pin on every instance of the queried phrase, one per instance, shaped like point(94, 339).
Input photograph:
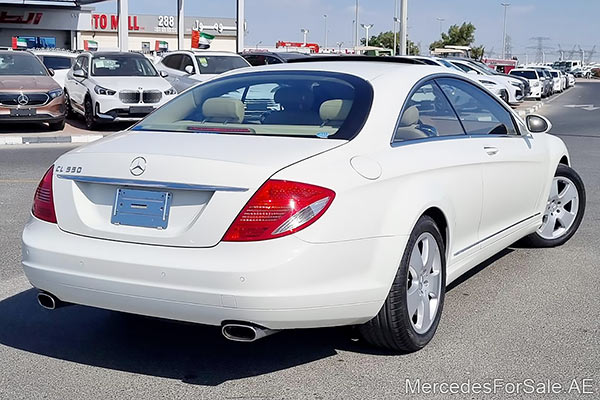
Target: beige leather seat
point(296, 104)
point(334, 112)
point(223, 110)
point(408, 127)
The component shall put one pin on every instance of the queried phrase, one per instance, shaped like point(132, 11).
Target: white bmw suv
point(115, 86)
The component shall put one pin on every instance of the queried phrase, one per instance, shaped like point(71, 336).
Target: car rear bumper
point(279, 284)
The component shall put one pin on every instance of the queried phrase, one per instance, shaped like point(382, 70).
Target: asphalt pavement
point(525, 314)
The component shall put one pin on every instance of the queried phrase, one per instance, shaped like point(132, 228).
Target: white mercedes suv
point(114, 86)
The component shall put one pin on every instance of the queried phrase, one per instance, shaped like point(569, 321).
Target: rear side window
point(276, 103)
point(427, 113)
point(479, 113)
point(57, 63)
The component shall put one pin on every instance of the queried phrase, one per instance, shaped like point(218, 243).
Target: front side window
point(122, 66)
point(427, 113)
point(276, 103)
point(14, 63)
point(219, 64)
point(479, 112)
point(173, 61)
point(187, 60)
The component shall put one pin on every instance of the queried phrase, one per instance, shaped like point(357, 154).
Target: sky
point(565, 23)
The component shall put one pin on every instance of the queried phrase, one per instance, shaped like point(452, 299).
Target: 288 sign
point(166, 21)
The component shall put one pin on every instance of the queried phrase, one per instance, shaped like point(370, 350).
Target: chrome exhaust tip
point(48, 301)
point(239, 332)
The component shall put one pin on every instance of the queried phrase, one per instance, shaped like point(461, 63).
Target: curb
point(530, 110)
point(11, 140)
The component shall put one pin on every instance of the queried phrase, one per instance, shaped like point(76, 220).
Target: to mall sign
point(105, 22)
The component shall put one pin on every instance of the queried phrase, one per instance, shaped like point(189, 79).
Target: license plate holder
point(23, 112)
point(143, 208)
point(141, 109)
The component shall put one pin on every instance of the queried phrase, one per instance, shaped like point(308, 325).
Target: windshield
point(448, 64)
point(291, 56)
point(554, 74)
point(524, 74)
point(124, 65)
point(21, 64)
point(219, 64)
point(275, 103)
point(57, 63)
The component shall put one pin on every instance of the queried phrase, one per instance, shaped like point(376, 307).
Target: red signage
point(101, 21)
point(313, 47)
point(32, 18)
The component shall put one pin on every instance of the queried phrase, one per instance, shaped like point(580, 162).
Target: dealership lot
point(526, 314)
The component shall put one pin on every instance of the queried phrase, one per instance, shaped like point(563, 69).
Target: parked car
point(493, 86)
point(546, 78)
point(28, 93)
point(557, 80)
point(513, 86)
point(256, 58)
point(59, 61)
point(535, 82)
point(525, 83)
point(114, 86)
point(186, 68)
point(339, 205)
point(571, 79)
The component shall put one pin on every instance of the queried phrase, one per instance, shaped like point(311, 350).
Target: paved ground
point(526, 314)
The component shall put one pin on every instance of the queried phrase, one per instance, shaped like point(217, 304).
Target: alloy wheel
point(424, 283)
point(561, 209)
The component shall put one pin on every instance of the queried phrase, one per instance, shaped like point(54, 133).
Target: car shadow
point(477, 269)
point(192, 353)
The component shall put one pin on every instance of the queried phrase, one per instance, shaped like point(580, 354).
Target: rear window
point(57, 63)
point(524, 74)
point(274, 103)
point(219, 64)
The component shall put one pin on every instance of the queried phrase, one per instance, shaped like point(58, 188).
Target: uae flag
point(201, 40)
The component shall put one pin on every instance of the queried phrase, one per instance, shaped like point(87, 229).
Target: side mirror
point(473, 72)
point(51, 71)
point(78, 73)
point(537, 123)
point(164, 74)
point(189, 69)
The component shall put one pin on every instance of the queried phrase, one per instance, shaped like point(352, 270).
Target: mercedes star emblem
point(22, 99)
point(138, 166)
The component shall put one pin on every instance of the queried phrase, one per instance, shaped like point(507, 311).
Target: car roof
point(17, 52)
point(112, 53)
point(368, 70)
point(203, 52)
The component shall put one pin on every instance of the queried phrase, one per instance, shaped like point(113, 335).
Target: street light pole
point(356, 29)
point(367, 27)
point(403, 27)
point(325, 16)
point(395, 19)
point(505, 5)
point(240, 26)
point(441, 20)
point(305, 33)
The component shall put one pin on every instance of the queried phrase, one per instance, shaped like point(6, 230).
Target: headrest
point(294, 98)
point(410, 116)
point(335, 110)
point(219, 109)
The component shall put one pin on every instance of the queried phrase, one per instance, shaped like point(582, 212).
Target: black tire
point(535, 240)
point(504, 96)
point(57, 126)
point(90, 118)
point(69, 113)
point(392, 328)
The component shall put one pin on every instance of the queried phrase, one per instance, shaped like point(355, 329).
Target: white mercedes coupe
point(326, 192)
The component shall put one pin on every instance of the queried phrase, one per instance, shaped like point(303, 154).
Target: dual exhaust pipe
point(235, 331)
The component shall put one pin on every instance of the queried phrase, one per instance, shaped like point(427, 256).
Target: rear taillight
point(43, 201)
point(279, 208)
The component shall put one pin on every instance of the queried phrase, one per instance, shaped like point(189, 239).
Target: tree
point(463, 35)
point(386, 40)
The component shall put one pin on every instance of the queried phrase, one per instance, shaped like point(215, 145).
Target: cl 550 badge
point(138, 166)
point(68, 170)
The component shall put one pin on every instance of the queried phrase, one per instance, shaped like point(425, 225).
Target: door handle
point(491, 150)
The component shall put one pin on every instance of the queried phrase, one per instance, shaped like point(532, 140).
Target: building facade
point(77, 28)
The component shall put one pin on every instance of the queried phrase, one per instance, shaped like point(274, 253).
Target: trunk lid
point(209, 179)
